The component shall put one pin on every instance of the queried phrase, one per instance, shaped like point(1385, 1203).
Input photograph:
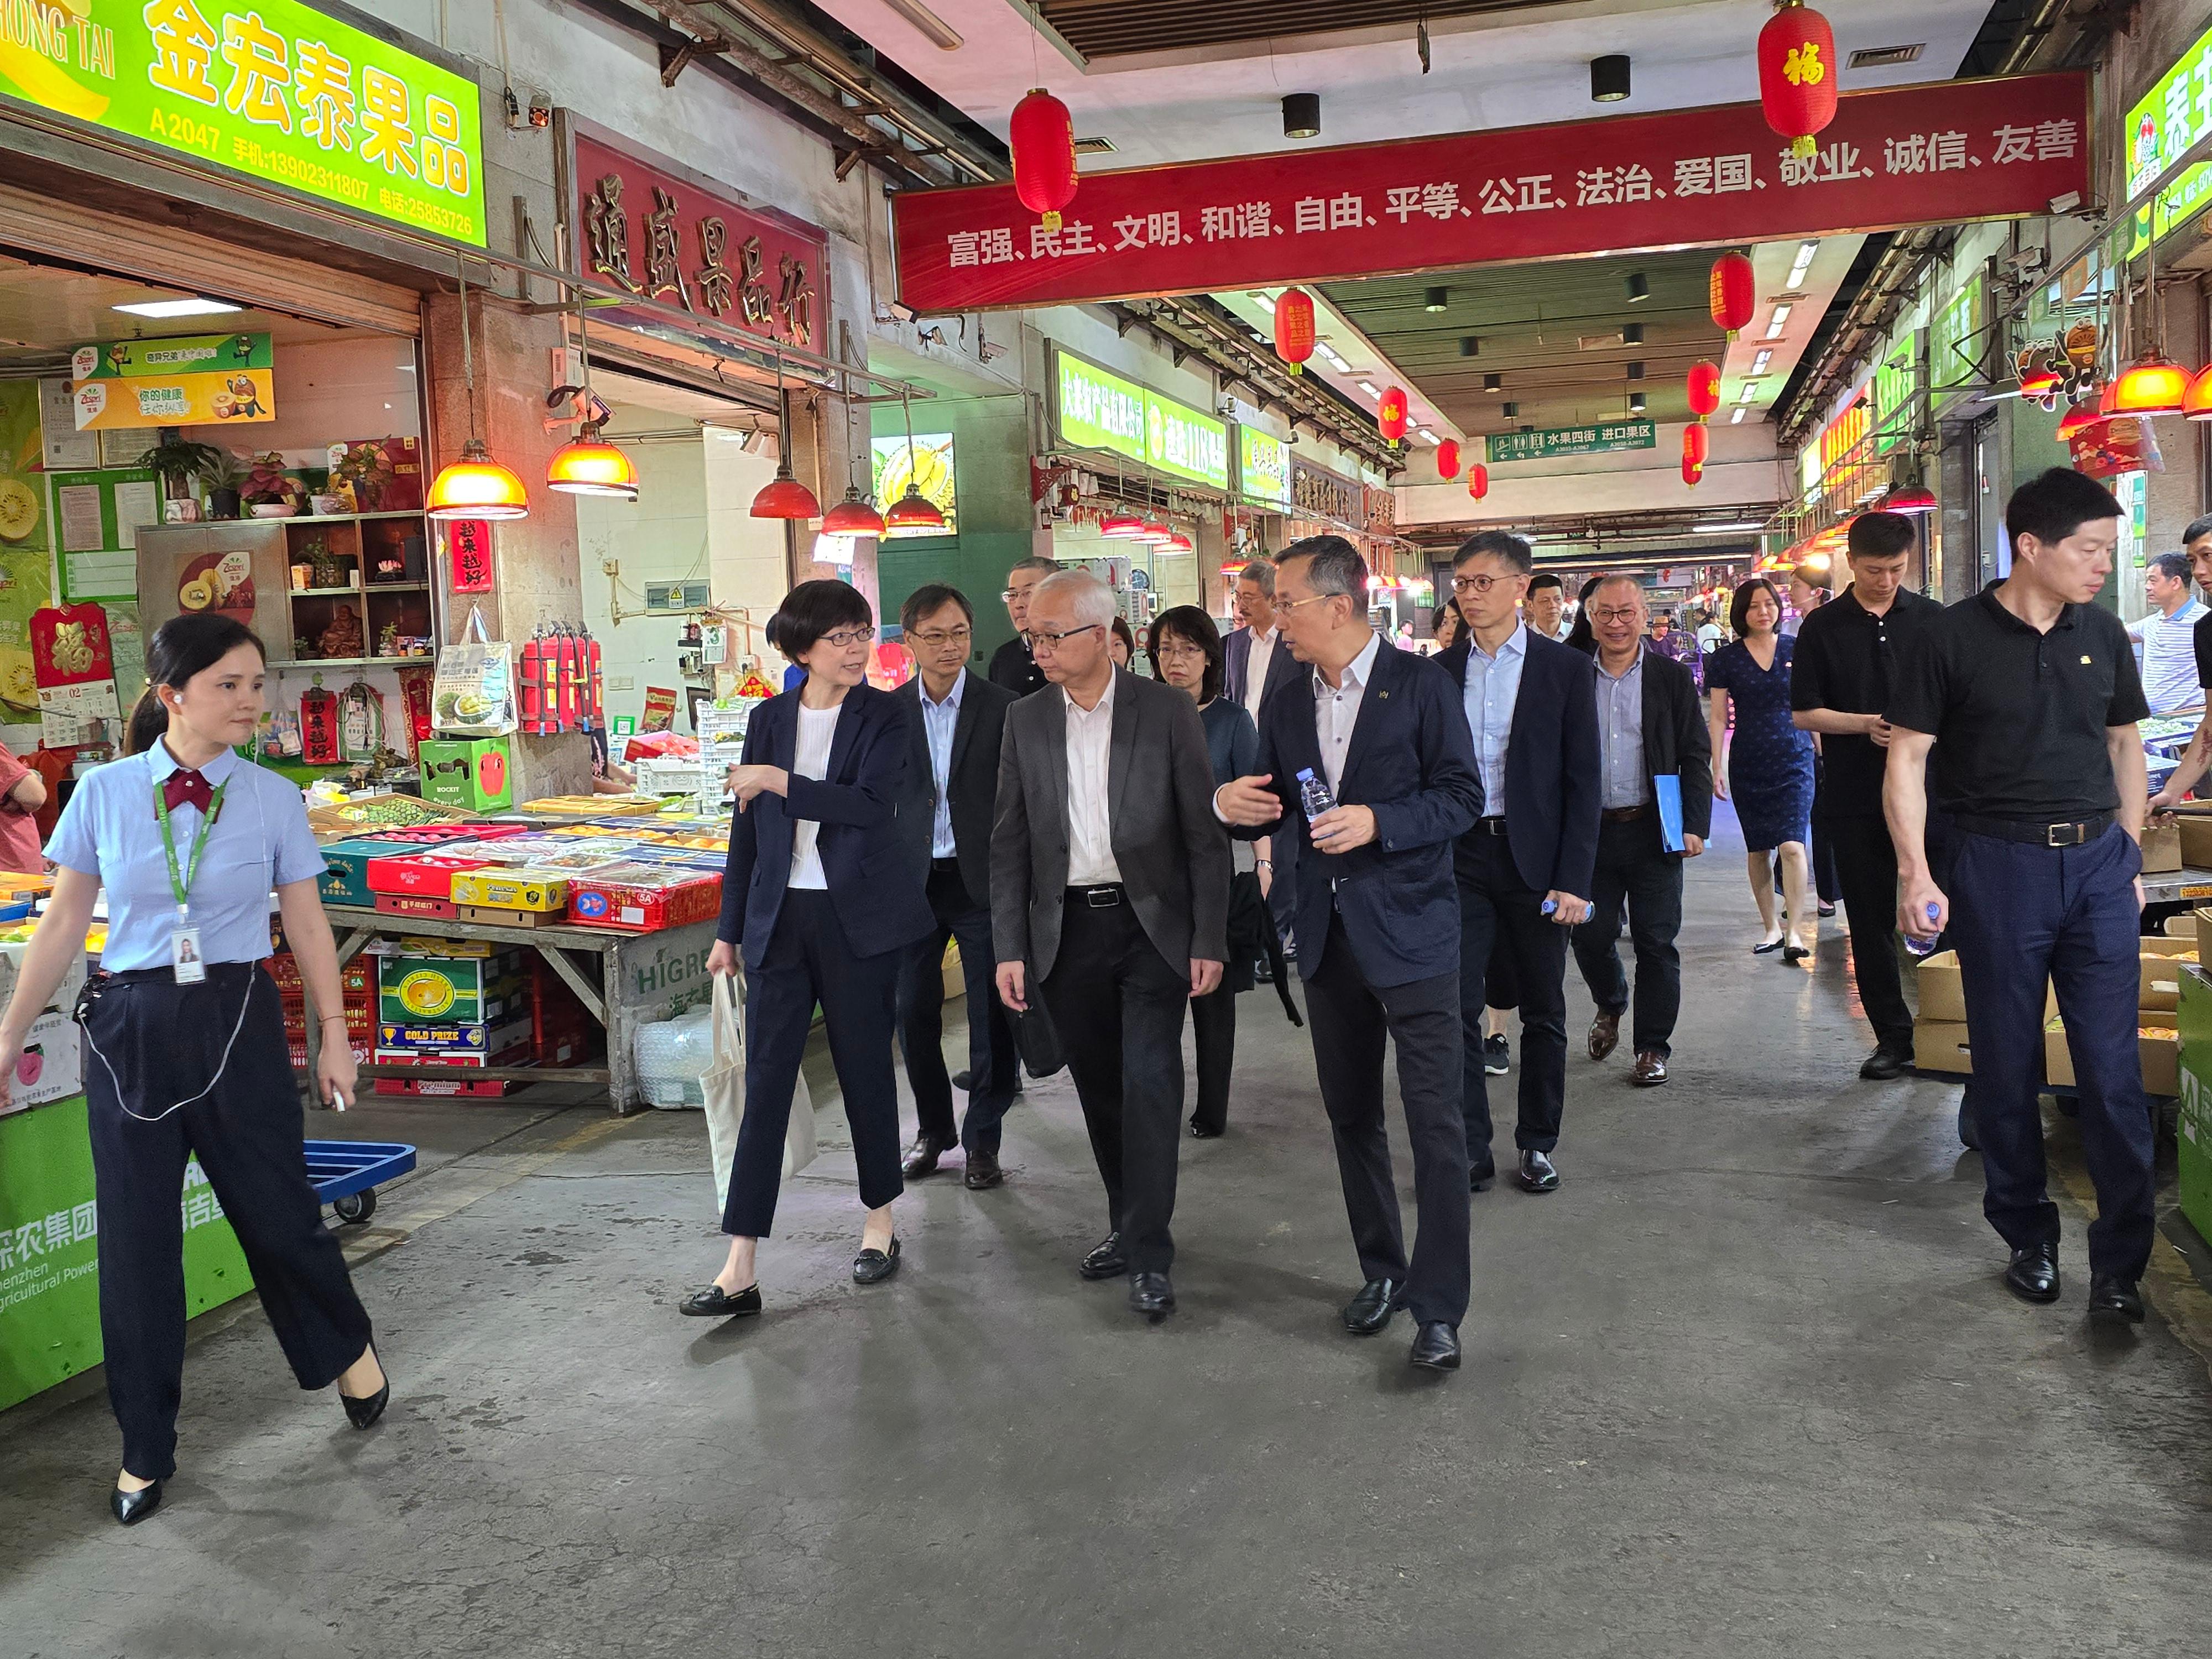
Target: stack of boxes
point(452, 1003)
point(357, 979)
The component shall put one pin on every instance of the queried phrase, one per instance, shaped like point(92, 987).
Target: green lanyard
point(180, 881)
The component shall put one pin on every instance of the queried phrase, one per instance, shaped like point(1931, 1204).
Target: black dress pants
point(1866, 864)
point(153, 1043)
point(1501, 915)
point(1634, 867)
point(809, 960)
point(1214, 1034)
point(1117, 1005)
point(991, 1057)
point(1350, 1018)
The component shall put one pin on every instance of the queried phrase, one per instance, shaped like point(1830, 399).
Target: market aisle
point(1747, 1384)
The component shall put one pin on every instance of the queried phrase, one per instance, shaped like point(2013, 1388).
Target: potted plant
point(224, 477)
point(180, 464)
point(270, 491)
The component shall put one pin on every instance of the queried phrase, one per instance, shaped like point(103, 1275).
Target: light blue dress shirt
point(109, 831)
point(1493, 687)
point(940, 722)
point(1620, 736)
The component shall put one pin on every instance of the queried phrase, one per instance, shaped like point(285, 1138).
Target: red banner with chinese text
point(1937, 153)
point(653, 228)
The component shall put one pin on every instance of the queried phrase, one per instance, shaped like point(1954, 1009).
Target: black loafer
point(920, 1158)
point(982, 1172)
point(1481, 1178)
point(1884, 1064)
point(2032, 1275)
point(873, 1266)
point(131, 1507)
point(1367, 1313)
point(2114, 1299)
point(1204, 1131)
point(715, 1303)
point(1536, 1174)
point(1436, 1347)
point(1105, 1260)
point(1152, 1295)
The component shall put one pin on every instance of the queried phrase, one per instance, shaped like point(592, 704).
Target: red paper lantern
point(1294, 328)
point(1448, 459)
point(1697, 443)
point(1798, 74)
point(1693, 473)
point(1733, 293)
point(1704, 388)
point(1478, 481)
point(1391, 413)
point(1043, 138)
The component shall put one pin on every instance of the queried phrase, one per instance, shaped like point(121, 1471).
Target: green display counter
point(50, 1250)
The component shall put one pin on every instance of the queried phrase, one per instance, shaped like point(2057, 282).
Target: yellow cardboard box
point(2166, 846)
point(1940, 1045)
point(496, 889)
point(1942, 996)
point(2157, 1048)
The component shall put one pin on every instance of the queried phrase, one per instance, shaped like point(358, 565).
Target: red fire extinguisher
point(595, 717)
point(319, 726)
point(530, 676)
point(565, 715)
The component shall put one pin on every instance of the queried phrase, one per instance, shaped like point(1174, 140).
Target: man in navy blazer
point(1378, 922)
point(1260, 640)
point(1526, 867)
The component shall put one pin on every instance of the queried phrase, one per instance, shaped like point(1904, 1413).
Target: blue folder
point(1668, 790)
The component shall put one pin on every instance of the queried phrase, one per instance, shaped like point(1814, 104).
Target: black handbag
point(1034, 1036)
point(1252, 938)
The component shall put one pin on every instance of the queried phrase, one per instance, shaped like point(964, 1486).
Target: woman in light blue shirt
point(184, 1034)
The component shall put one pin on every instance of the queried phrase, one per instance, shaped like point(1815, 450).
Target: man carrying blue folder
point(1655, 768)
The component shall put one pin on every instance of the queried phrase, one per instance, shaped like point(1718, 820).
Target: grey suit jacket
point(1172, 851)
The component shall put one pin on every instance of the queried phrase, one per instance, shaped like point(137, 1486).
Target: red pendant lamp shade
point(852, 517)
point(1704, 388)
point(1734, 292)
point(476, 487)
point(785, 497)
point(1697, 443)
point(1798, 74)
point(913, 513)
point(2197, 406)
point(1448, 459)
point(1915, 499)
point(2152, 385)
point(1478, 481)
point(2078, 420)
point(1043, 139)
point(1123, 528)
point(1294, 328)
point(1391, 413)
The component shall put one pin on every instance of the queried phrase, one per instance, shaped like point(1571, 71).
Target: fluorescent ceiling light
point(1750, 392)
point(1759, 363)
point(1368, 386)
point(1265, 302)
point(941, 34)
point(192, 308)
point(1428, 436)
point(1717, 529)
point(1803, 263)
point(1736, 419)
point(1774, 324)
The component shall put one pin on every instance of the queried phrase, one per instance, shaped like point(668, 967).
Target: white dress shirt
point(940, 724)
point(1256, 664)
point(818, 730)
point(1492, 689)
point(1090, 817)
point(1336, 708)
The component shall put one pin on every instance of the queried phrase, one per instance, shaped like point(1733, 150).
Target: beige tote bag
point(724, 1084)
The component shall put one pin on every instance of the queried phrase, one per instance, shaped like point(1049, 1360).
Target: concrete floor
point(1746, 1385)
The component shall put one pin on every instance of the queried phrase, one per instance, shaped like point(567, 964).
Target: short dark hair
point(1880, 536)
point(1546, 582)
point(1189, 622)
point(2175, 565)
point(1123, 632)
point(180, 648)
point(2053, 507)
point(1739, 607)
point(930, 598)
point(2196, 528)
point(813, 608)
point(1336, 567)
point(1508, 548)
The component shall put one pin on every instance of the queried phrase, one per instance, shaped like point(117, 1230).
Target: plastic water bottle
point(1919, 946)
point(1315, 795)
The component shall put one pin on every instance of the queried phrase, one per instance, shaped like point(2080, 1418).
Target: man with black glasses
point(1013, 665)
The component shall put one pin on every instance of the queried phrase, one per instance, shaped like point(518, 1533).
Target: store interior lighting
point(1777, 322)
point(1802, 263)
point(193, 307)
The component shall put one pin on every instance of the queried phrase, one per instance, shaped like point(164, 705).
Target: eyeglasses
point(1311, 599)
point(1010, 595)
point(846, 637)
point(1615, 613)
point(1054, 642)
point(1178, 648)
point(937, 637)
point(1478, 584)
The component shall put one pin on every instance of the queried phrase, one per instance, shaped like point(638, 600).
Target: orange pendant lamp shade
point(1448, 459)
point(913, 513)
point(1733, 291)
point(476, 487)
point(1391, 413)
point(1798, 74)
point(1704, 389)
point(2152, 385)
point(852, 517)
point(590, 466)
point(1697, 443)
point(1043, 138)
point(1478, 481)
point(2197, 406)
point(785, 497)
point(1294, 328)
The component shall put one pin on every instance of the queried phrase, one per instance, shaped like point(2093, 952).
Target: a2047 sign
point(1937, 153)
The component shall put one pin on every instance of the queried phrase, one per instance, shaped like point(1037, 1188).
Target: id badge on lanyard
point(185, 960)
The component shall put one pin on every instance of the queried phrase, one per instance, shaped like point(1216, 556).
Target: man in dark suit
point(952, 779)
point(1260, 640)
point(1525, 868)
point(1380, 729)
point(1109, 897)
point(1649, 728)
point(1013, 665)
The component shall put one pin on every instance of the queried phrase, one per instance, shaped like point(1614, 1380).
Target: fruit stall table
point(624, 980)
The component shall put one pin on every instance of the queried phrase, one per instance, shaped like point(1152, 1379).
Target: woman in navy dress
point(1768, 771)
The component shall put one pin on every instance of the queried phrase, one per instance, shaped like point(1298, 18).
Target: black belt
point(1623, 814)
point(218, 973)
point(951, 864)
point(2036, 832)
point(1490, 826)
point(1099, 898)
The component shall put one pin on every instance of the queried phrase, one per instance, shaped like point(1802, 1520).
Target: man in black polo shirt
point(1011, 664)
point(2031, 691)
point(1840, 683)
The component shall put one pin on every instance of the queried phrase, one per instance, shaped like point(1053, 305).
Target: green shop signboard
point(1572, 440)
point(50, 1250)
point(1098, 410)
point(272, 88)
point(2171, 117)
point(1263, 467)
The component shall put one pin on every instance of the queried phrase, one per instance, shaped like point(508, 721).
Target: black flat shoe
point(1767, 950)
point(1367, 1313)
point(1105, 1260)
point(1794, 954)
point(363, 1413)
point(715, 1303)
point(1152, 1295)
point(1883, 1064)
point(2032, 1275)
point(1482, 1180)
point(1436, 1347)
point(2114, 1299)
point(873, 1266)
point(1204, 1131)
point(131, 1507)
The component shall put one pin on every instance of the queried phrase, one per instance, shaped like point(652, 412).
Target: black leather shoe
point(2112, 1297)
point(1536, 1175)
point(1151, 1295)
point(1604, 1033)
point(131, 1507)
point(1367, 1313)
point(2034, 1274)
point(920, 1158)
point(1481, 1178)
point(963, 1080)
point(983, 1172)
point(1883, 1064)
point(715, 1303)
point(1105, 1260)
point(1436, 1347)
point(363, 1413)
point(1204, 1131)
point(873, 1266)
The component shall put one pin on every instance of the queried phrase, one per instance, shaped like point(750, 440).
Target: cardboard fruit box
point(346, 870)
point(421, 990)
point(2194, 1139)
point(643, 898)
point(1940, 1045)
point(2158, 1049)
point(447, 1075)
point(474, 772)
point(421, 906)
point(498, 888)
point(477, 1040)
point(426, 875)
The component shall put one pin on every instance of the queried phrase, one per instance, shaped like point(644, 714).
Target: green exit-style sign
point(1594, 439)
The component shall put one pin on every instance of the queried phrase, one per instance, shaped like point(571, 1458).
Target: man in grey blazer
point(1109, 898)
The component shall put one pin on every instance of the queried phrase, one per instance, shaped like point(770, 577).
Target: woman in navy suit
point(821, 900)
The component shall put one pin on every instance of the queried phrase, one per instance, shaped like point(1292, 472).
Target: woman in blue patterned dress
point(1767, 772)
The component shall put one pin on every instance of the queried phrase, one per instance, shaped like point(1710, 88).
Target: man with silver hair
point(1109, 899)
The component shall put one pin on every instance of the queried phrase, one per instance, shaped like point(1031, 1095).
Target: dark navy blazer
point(877, 892)
point(1412, 763)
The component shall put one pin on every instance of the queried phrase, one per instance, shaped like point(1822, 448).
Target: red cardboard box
point(421, 906)
point(637, 899)
point(363, 1049)
point(425, 875)
point(447, 1083)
